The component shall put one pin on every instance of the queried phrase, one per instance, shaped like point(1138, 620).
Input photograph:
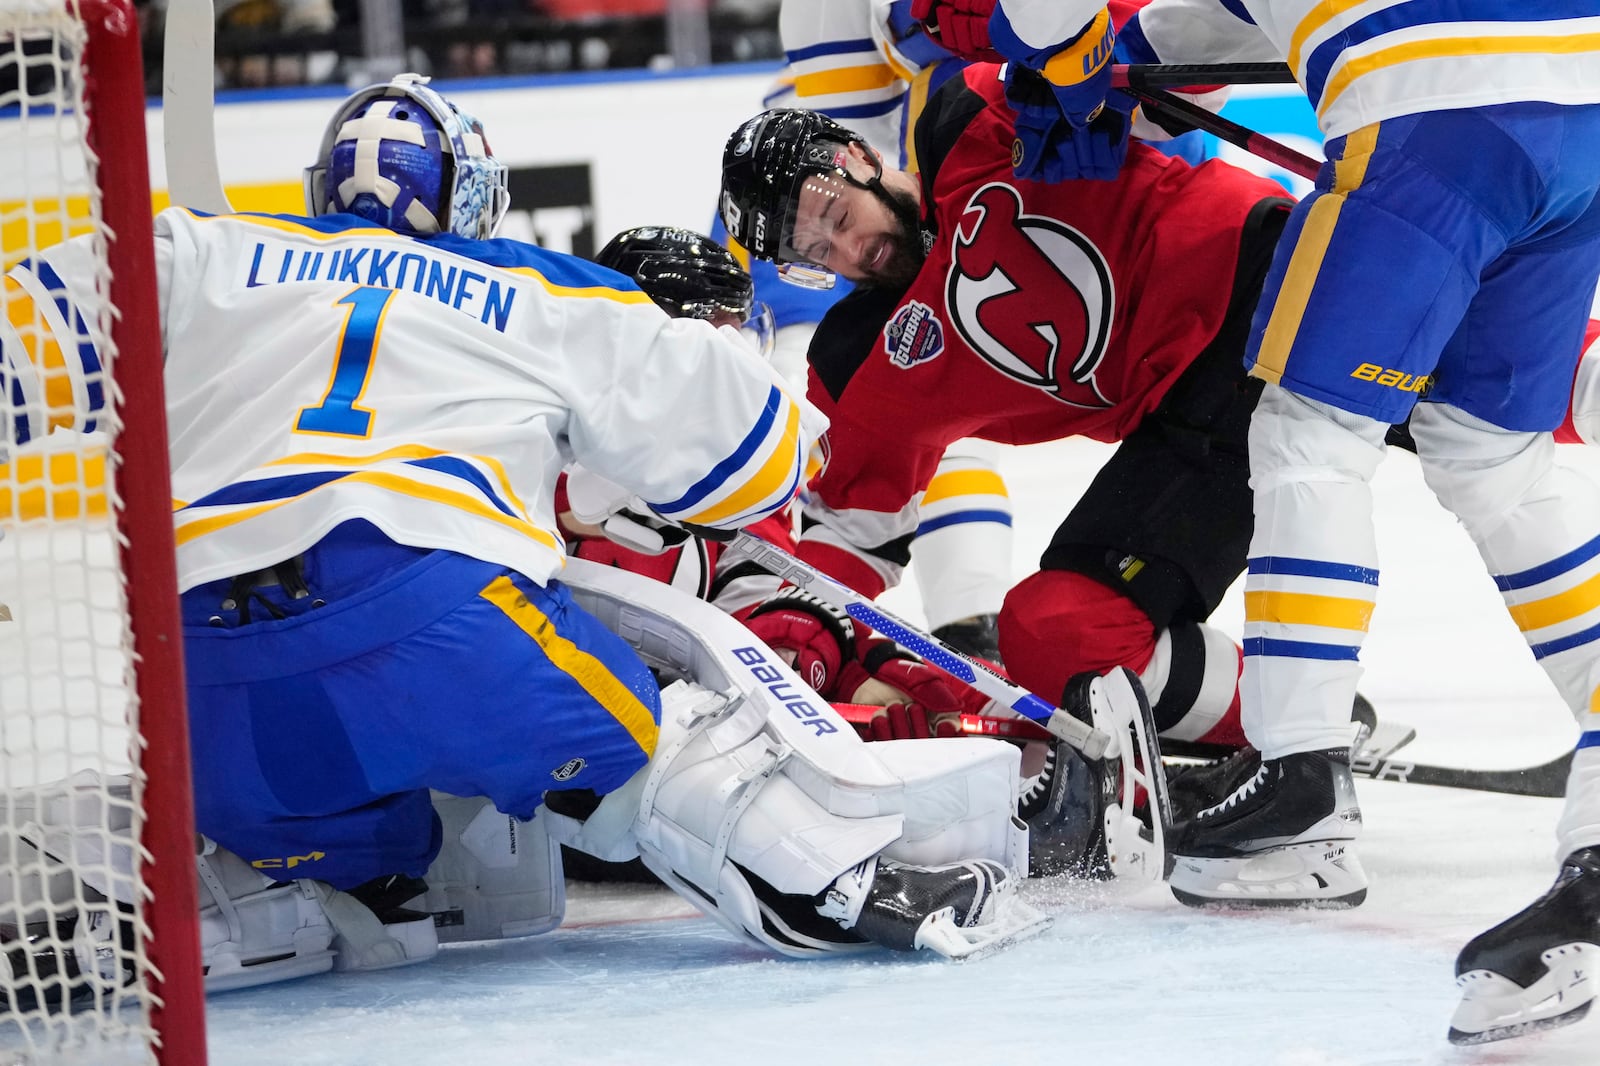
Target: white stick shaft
point(188, 105)
point(1092, 742)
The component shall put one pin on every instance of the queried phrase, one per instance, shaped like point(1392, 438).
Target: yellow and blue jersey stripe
point(475, 486)
point(1362, 60)
point(757, 478)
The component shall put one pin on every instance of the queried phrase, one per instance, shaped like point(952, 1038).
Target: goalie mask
point(402, 156)
point(689, 275)
point(764, 166)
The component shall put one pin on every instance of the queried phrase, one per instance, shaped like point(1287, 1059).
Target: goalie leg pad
point(254, 930)
point(495, 877)
point(758, 790)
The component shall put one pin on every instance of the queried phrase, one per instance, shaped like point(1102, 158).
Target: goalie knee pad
point(495, 877)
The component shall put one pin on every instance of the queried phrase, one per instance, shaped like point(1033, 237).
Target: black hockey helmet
point(689, 275)
point(765, 163)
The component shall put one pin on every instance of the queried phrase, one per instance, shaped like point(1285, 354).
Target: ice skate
point(1536, 969)
point(961, 910)
point(1282, 838)
point(1064, 807)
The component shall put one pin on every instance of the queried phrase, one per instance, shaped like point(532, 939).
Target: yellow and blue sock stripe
point(1307, 608)
point(1556, 604)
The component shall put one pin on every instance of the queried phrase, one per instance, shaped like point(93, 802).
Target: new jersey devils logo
point(1031, 296)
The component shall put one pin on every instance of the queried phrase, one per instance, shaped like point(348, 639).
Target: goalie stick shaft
point(1090, 741)
point(188, 107)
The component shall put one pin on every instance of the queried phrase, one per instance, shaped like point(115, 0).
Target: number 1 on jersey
point(352, 366)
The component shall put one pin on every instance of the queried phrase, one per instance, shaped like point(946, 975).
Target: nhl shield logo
point(914, 335)
point(568, 770)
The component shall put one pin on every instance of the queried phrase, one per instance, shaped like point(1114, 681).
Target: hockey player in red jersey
point(1025, 312)
point(690, 276)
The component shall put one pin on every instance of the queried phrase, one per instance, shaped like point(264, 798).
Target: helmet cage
point(766, 163)
point(473, 192)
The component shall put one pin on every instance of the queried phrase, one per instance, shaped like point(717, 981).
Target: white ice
point(1122, 977)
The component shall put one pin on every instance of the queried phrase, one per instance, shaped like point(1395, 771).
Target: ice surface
point(1123, 977)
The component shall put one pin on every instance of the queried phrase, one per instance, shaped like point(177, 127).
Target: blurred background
point(276, 43)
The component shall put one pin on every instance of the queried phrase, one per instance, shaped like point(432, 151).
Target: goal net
point(99, 958)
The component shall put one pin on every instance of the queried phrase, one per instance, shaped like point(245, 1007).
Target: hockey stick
point(1547, 779)
point(1090, 741)
point(188, 107)
point(1180, 75)
point(1159, 102)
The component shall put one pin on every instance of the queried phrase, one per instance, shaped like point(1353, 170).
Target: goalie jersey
point(319, 370)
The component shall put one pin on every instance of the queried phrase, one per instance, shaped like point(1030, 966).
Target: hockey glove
point(820, 636)
point(1050, 148)
point(917, 701)
point(959, 26)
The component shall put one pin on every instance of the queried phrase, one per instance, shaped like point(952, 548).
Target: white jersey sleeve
point(319, 370)
point(1364, 63)
point(843, 63)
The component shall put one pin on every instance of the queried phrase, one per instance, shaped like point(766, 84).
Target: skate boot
point(961, 910)
point(1280, 839)
point(1536, 969)
point(68, 963)
point(978, 636)
point(1064, 807)
point(1197, 786)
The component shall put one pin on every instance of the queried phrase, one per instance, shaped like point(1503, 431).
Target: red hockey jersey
point(1042, 312)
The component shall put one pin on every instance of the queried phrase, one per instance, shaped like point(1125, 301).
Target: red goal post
point(91, 672)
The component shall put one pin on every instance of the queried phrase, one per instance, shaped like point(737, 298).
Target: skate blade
point(1321, 874)
point(1015, 923)
point(1494, 1007)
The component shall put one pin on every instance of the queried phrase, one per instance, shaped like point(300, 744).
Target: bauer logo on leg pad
point(785, 693)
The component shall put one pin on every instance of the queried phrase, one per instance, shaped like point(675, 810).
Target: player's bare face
point(853, 232)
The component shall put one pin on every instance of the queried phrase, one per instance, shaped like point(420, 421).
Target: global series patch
point(914, 335)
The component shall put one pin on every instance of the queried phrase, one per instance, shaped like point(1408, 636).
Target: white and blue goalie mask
point(403, 157)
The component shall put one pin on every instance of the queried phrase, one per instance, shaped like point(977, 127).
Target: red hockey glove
point(918, 700)
point(960, 26)
point(820, 636)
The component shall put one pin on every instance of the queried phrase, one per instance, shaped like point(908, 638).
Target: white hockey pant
point(1535, 524)
point(1311, 466)
point(755, 771)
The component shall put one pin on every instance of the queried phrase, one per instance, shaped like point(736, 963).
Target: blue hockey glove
point(1077, 71)
point(1050, 148)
